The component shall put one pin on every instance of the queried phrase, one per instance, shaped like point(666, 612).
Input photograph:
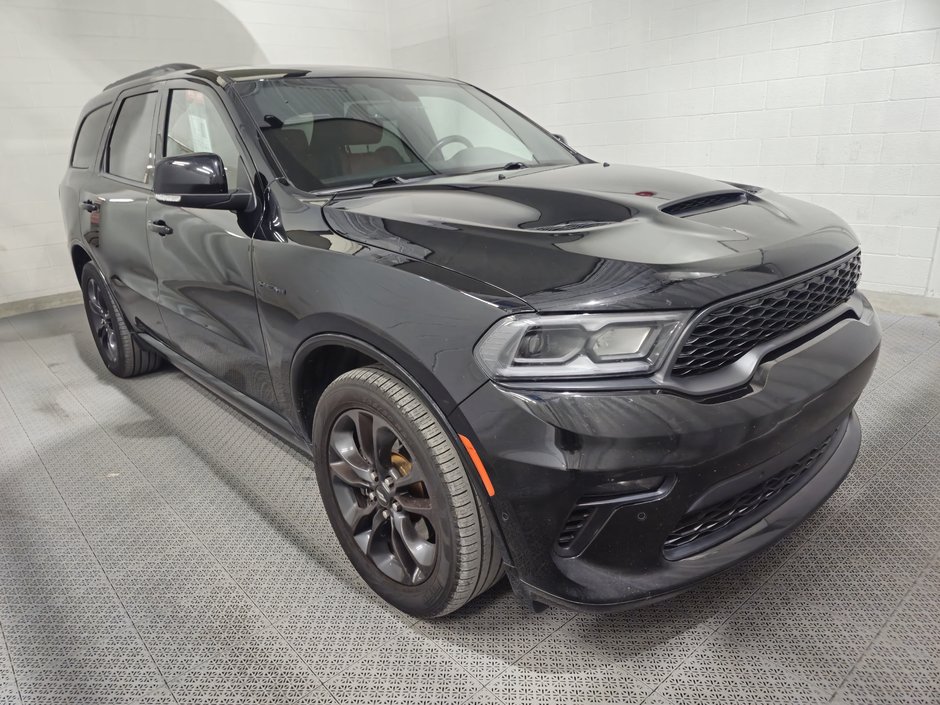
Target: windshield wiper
point(505, 167)
point(387, 181)
point(375, 183)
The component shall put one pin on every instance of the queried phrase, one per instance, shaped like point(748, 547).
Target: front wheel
point(398, 496)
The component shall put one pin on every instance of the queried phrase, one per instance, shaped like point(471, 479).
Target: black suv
point(607, 382)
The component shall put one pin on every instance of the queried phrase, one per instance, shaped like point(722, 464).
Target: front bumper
point(553, 454)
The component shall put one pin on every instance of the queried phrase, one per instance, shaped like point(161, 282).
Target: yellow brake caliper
point(401, 463)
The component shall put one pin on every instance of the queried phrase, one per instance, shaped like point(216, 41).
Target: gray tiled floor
point(157, 547)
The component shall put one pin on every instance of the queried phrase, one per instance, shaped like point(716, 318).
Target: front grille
point(701, 204)
point(729, 332)
point(695, 530)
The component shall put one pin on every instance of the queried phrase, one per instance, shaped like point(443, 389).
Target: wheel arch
point(323, 357)
point(303, 364)
point(80, 257)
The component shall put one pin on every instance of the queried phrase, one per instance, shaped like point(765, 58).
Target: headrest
point(347, 131)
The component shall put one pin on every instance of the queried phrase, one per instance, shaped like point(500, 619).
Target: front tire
point(398, 496)
point(120, 351)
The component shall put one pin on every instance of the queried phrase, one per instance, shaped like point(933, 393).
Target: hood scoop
point(571, 225)
point(704, 203)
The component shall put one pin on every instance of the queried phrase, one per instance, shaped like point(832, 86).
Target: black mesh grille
point(694, 530)
point(727, 333)
point(701, 204)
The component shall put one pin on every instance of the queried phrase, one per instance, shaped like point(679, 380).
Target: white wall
point(56, 54)
point(836, 101)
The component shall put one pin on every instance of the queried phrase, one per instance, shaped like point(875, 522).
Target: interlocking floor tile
point(407, 669)
point(158, 547)
point(483, 697)
point(492, 633)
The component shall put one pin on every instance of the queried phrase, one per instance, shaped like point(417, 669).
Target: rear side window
point(130, 150)
point(89, 135)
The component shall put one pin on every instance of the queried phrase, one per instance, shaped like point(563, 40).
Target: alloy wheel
point(102, 320)
point(382, 496)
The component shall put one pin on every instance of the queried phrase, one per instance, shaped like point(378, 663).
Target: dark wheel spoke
point(346, 458)
point(380, 527)
point(350, 474)
point(96, 308)
point(354, 513)
point(363, 422)
point(415, 505)
point(420, 551)
point(403, 558)
point(383, 438)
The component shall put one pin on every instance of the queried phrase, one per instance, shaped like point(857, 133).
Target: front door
point(202, 257)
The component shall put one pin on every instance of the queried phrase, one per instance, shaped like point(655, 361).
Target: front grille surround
point(727, 332)
point(701, 529)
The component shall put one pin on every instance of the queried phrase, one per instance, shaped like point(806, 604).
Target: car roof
point(255, 73)
point(258, 73)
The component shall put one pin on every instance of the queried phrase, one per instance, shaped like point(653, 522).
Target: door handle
point(159, 227)
point(89, 206)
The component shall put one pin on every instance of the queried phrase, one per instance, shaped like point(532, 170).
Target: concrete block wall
point(834, 101)
point(56, 54)
point(837, 101)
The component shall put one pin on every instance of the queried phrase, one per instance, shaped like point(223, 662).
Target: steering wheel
point(435, 152)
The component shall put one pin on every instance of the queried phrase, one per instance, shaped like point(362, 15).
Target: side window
point(193, 124)
point(129, 151)
point(89, 135)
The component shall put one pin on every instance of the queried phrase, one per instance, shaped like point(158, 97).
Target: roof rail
point(155, 71)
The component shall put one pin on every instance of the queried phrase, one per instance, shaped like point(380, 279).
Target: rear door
point(113, 205)
point(202, 257)
point(79, 212)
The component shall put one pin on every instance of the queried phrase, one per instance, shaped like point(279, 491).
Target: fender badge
point(271, 287)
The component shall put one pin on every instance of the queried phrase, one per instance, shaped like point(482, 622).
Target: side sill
point(259, 413)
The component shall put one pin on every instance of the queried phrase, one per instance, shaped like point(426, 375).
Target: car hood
point(597, 237)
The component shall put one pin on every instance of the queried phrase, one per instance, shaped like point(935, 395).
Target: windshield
point(338, 132)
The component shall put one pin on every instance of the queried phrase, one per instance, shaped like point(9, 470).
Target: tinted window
point(335, 132)
point(194, 124)
point(129, 152)
point(89, 134)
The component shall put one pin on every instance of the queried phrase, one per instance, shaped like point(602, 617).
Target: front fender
point(424, 318)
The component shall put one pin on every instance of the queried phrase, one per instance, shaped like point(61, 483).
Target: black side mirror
point(196, 181)
point(560, 138)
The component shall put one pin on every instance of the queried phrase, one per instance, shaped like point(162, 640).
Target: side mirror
point(196, 181)
point(560, 138)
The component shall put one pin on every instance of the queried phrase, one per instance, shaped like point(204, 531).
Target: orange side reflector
point(478, 464)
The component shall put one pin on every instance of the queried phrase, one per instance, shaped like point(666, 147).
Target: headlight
point(581, 345)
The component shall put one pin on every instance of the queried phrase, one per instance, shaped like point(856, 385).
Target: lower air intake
point(707, 527)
